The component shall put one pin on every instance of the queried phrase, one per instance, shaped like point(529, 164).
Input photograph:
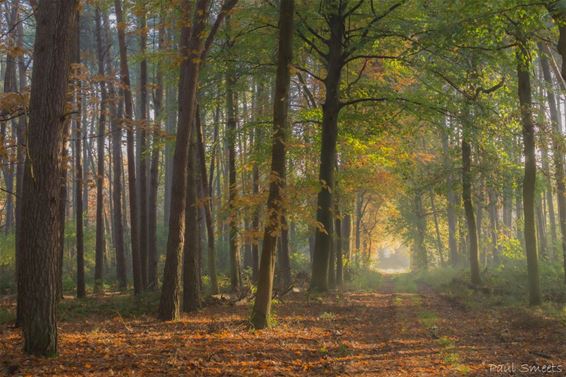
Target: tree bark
point(468, 206)
point(231, 129)
point(143, 164)
point(330, 111)
point(557, 153)
point(56, 29)
point(153, 255)
point(439, 245)
point(420, 257)
point(191, 46)
point(128, 122)
point(100, 241)
point(192, 246)
point(338, 249)
point(207, 200)
point(115, 115)
point(529, 180)
point(283, 258)
point(261, 315)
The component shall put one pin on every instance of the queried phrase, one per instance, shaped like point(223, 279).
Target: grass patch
point(364, 279)
point(327, 316)
point(428, 319)
point(446, 342)
point(109, 306)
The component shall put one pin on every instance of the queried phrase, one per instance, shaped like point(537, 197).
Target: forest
point(282, 187)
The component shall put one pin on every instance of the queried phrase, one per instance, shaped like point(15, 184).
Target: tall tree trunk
point(169, 150)
point(100, 241)
point(191, 261)
point(42, 176)
point(540, 226)
point(231, 129)
point(529, 181)
point(338, 249)
point(10, 85)
point(468, 206)
point(142, 181)
point(420, 257)
point(153, 255)
point(79, 134)
point(494, 223)
point(261, 314)
point(346, 242)
point(260, 100)
point(479, 218)
point(452, 201)
point(283, 258)
point(207, 200)
point(439, 246)
point(192, 49)
point(330, 111)
point(115, 115)
point(557, 153)
point(128, 122)
point(22, 125)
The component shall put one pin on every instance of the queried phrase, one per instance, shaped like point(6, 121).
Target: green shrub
point(364, 279)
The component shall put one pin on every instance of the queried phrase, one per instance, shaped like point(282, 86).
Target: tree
point(53, 49)
point(556, 153)
point(193, 46)
point(115, 115)
point(261, 315)
point(467, 199)
point(231, 130)
point(529, 180)
point(100, 241)
point(80, 202)
point(142, 160)
point(128, 122)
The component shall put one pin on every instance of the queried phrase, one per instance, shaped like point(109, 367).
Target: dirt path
point(384, 333)
point(488, 341)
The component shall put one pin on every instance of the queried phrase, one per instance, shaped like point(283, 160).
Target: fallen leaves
point(365, 334)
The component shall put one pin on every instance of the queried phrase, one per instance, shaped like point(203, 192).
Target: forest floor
point(379, 333)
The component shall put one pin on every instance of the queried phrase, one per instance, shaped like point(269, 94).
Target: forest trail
point(381, 333)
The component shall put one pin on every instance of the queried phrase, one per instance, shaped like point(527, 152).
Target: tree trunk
point(191, 46)
point(231, 129)
point(439, 246)
point(541, 229)
point(79, 170)
point(283, 258)
point(494, 223)
point(330, 111)
point(10, 85)
point(347, 249)
point(468, 206)
point(557, 153)
point(207, 200)
point(191, 261)
point(153, 255)
point(169, 150)
point(142, 181)
point(529, 180)
point(128, 122)
point(100, 241)
point(452, 201)
point(121, 270)
point(420, 258)
point(261, 314)
point(22, 125)
point(338, 249)
point(42, 176)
